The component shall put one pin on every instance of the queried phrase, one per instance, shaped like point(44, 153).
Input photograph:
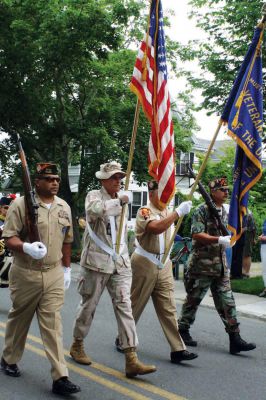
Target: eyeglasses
point(49, 179)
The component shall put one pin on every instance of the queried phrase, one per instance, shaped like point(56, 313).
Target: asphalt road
point(214, 375)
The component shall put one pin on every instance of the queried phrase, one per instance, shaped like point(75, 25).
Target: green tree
point(229, 27)
point(223, 167)
point(53, 88)
point(64, 74)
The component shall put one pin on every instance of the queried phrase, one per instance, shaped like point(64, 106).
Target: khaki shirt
point(55, 228)
point(150, 241)
point(99, 206)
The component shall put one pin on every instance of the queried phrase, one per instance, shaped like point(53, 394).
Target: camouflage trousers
point(91, 287)
point(223, 298)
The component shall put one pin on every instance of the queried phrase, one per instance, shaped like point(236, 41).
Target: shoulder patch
point(145, 212)
point(63, 214)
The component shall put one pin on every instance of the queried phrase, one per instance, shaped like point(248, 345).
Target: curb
point(239, 312)
point(180, 300)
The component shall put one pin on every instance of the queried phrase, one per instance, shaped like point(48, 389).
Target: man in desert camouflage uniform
point(207, 268)
point(103, 267)
point(150, 277)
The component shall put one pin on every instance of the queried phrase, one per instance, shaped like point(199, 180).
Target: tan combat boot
point(78, 354)
point(133, 366)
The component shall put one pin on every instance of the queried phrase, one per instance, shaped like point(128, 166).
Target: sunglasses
point(224, 190)
point(50, 179)
point(5, 207)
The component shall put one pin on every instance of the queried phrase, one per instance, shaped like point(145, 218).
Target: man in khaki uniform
point(6, 258)
point(38, 275)
point(4, 206)
point(103, 267)
point(150, 277)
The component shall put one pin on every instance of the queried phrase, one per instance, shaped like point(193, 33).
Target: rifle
point(210, 203)
point(31, 205)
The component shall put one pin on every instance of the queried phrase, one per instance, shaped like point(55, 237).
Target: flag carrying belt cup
point(154, 258)
point(104, 246)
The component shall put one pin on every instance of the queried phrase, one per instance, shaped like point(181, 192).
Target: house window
point(139, 199)
point(136, 203)
point(92, 150)
point(183, 160)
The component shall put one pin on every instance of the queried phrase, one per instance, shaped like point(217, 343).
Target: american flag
point(149, 83)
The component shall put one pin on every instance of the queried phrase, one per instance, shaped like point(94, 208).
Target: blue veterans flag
point(244, 114)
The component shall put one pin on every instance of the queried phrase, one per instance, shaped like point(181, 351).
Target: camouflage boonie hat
point(152, 185)
point(46, 169)
point(109, 169)
point(218, 183)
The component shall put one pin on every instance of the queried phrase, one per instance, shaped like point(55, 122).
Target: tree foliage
point(64, 74)
point(229, 27)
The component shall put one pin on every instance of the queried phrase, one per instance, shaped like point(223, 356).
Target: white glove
point(225, 241)
point(184, 208)
point(67, 277)
point(126, 196)
point(36, 250)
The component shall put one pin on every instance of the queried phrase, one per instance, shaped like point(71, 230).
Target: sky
point(184, 29)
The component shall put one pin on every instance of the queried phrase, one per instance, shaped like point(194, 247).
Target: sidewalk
point(247, 305)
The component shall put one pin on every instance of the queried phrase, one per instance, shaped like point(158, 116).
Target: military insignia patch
point(63, 214)
point(145, 212)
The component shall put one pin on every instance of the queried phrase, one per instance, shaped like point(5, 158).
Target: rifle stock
point(210, 203)
point(31, 205)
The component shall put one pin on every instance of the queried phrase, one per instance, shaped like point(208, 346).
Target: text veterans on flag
point(244, 114)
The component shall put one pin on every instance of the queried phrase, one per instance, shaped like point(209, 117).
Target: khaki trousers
point(91, 287)
point(41, 292)
point(150, 281)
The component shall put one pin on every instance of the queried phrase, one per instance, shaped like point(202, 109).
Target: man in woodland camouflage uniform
point(207, 268)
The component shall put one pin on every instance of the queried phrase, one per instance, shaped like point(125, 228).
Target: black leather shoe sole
point(66, 392)
point(64, 387)
point(10, 369)
point(177, 357)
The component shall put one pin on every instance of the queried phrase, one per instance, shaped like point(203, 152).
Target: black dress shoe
point(10, 369)
point(184, 355)
point(118, 346)
point(64, 386)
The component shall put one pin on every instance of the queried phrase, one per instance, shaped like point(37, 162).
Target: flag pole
point(194, 186)
point(221, 122)
point(129, 167)
point(130, 157)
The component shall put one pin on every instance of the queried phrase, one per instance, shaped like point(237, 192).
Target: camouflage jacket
point(208, 259)
point(99, 206)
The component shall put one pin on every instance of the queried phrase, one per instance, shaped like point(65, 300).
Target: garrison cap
point(5, 201)
point(152, 185)
point(46, 168)
point(218, 183)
